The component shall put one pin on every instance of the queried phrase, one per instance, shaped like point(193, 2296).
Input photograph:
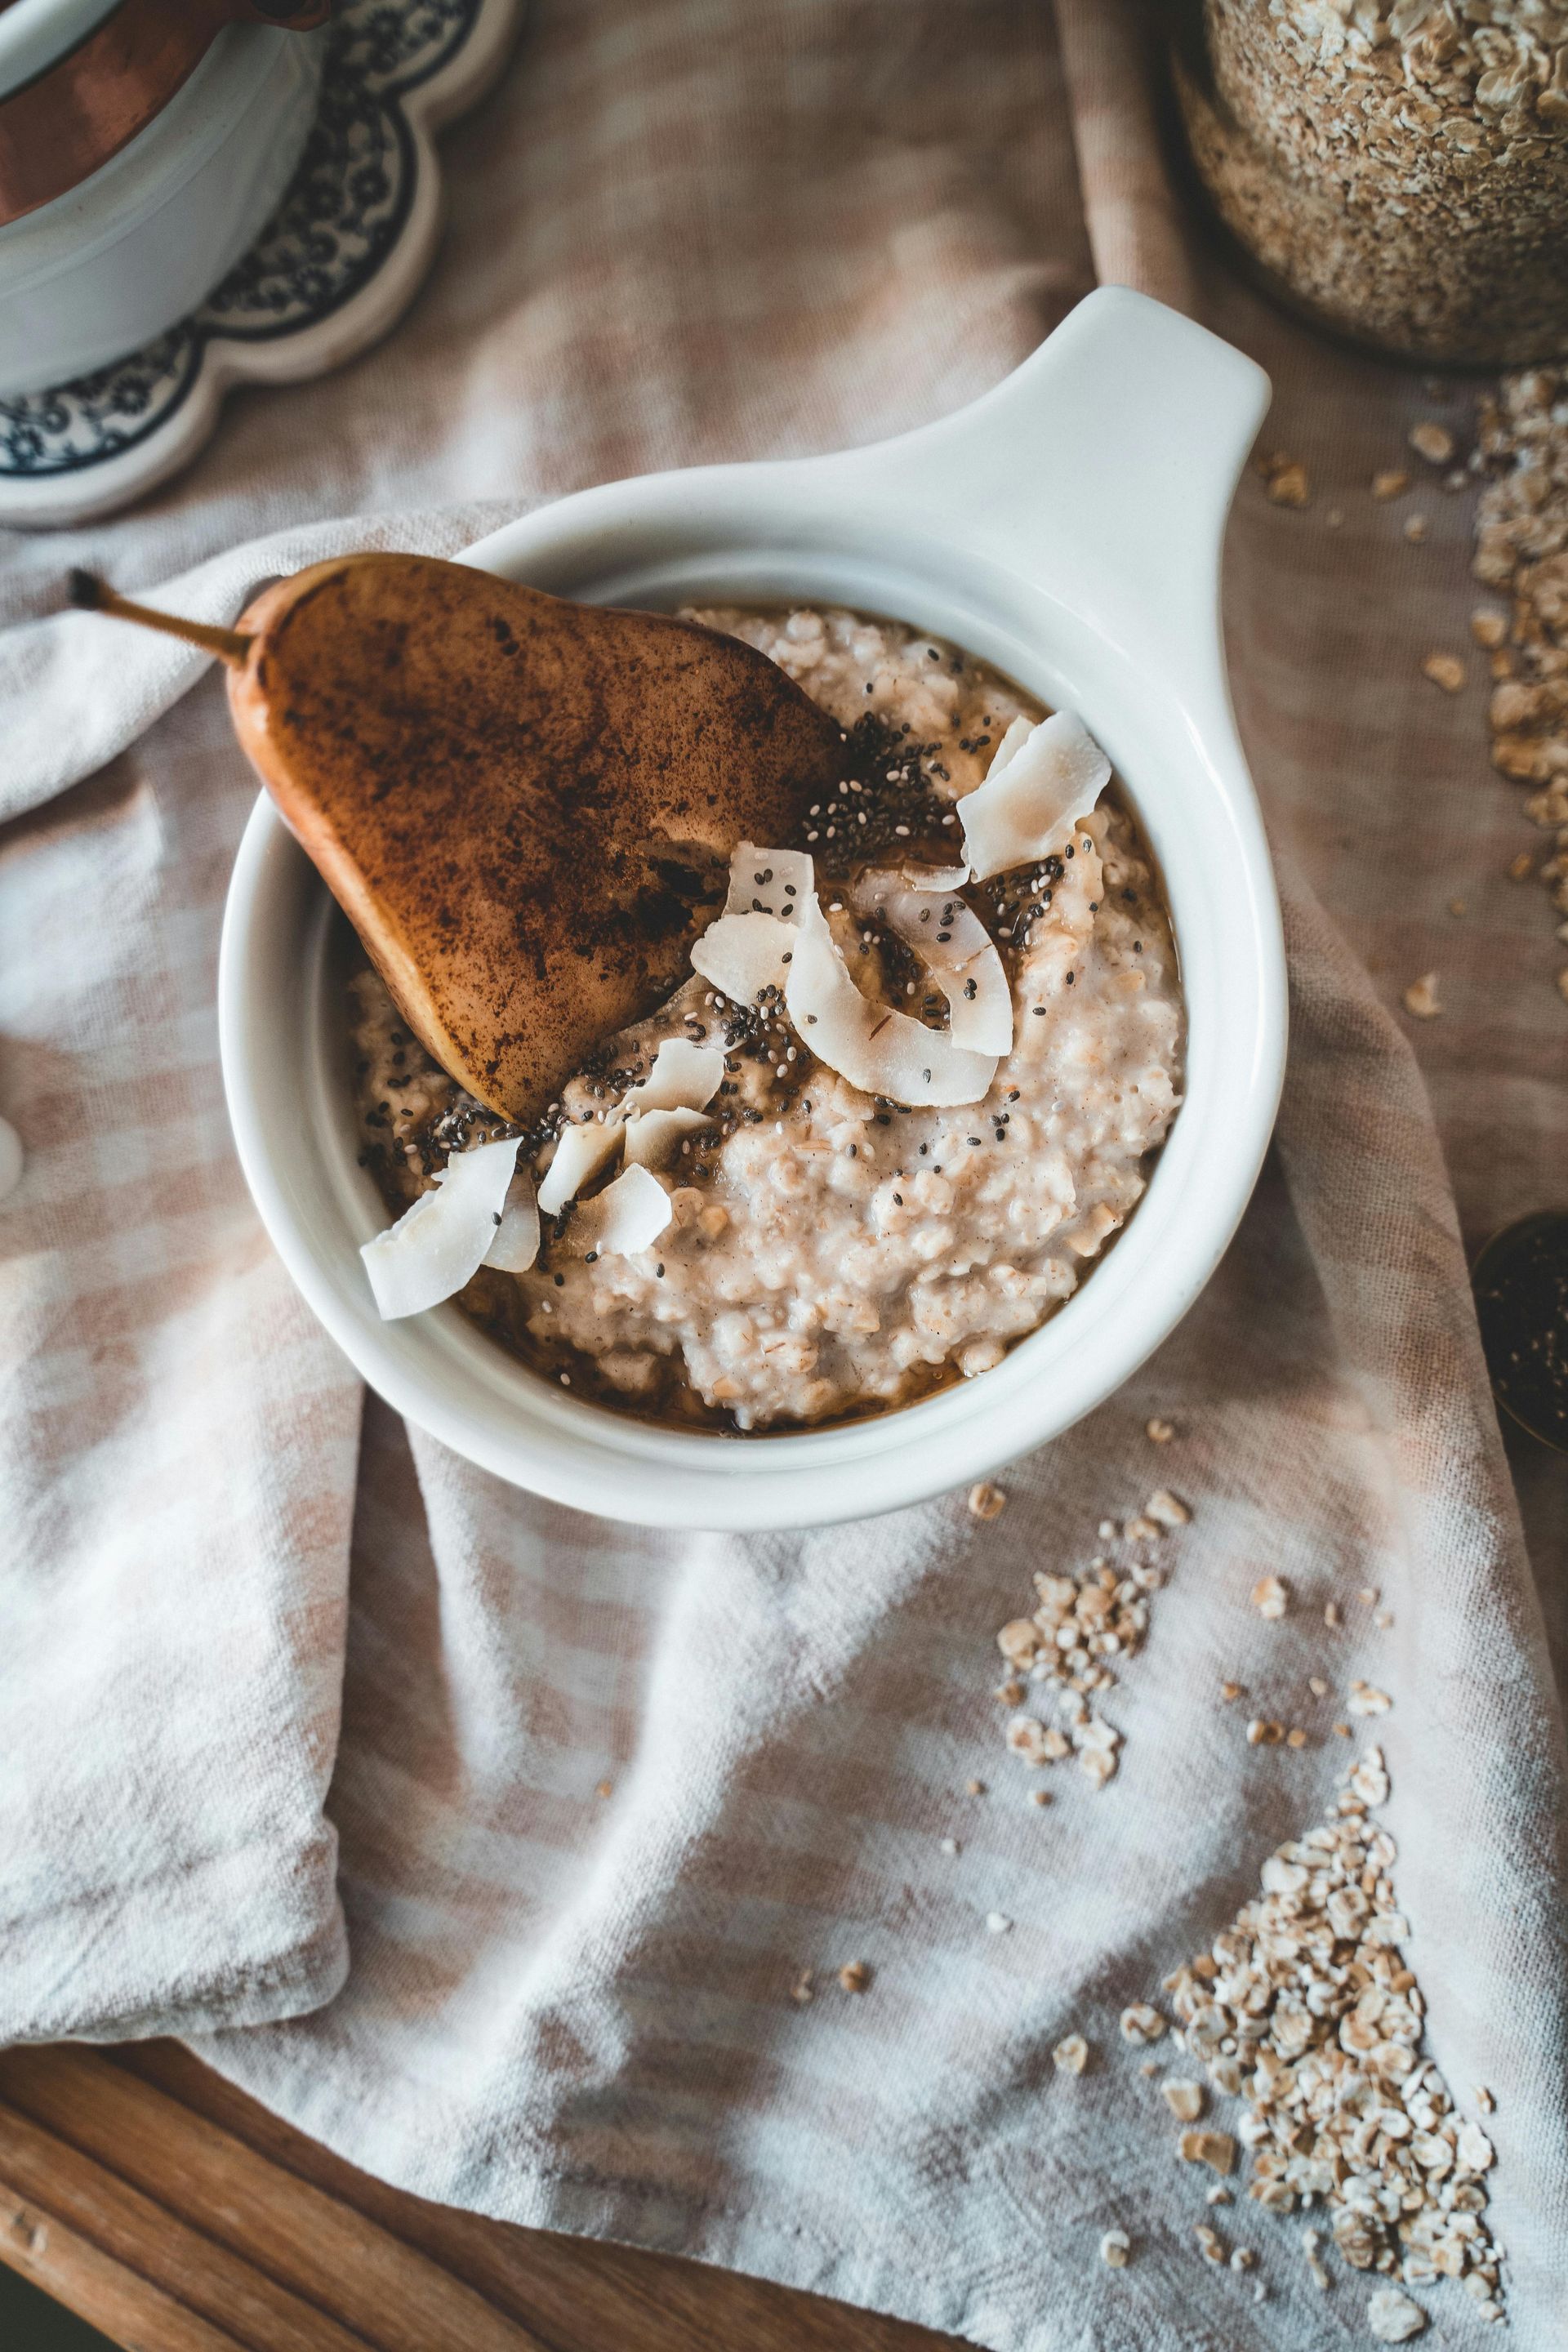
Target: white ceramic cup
point(107, 266)
point(1066, 529)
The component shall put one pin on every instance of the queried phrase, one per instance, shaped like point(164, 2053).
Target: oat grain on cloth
point(489, 1843)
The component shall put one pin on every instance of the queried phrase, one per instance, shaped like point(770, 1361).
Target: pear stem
point(94, 595)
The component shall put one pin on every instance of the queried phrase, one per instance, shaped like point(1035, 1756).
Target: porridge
point(892, 1117)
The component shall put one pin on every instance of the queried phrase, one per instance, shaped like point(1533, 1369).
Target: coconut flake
point(580, 1153)
point(928, 878)
point(742, 954)
point(955, 947)
point(879, 1050)
point(943, 930)
point(440, 1242)
point(1011, 742)
point(980, 1006)
point(653, 1137)
point(1047, 784)
point(516, 1242)
point(684, 1077)
point(781, 882)
point(630, 1214)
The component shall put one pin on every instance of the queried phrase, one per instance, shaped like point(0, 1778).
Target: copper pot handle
point(65, 124)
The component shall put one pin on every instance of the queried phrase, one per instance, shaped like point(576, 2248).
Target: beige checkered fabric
point(283, 1735)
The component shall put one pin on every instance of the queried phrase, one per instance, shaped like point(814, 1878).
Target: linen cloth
point(289, 1690)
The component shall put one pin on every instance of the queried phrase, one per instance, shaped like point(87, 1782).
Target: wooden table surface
point(176, 2215)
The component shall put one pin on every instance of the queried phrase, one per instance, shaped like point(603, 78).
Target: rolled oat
point(1305, 2007)
point(1398, 167)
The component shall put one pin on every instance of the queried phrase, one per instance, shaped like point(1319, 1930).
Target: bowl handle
point(1100, 473)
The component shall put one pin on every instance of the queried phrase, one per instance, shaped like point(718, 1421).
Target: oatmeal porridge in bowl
point(907, 1097)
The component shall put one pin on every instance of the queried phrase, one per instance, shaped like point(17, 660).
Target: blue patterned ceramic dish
point(336, 264)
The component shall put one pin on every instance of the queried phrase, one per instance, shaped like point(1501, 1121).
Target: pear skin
point(525, 806)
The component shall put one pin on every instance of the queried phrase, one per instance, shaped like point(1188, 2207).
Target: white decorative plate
point(333, 269)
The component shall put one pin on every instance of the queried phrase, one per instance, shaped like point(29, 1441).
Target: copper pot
point(59, 128)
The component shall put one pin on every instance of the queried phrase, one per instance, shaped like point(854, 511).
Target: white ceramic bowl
point(1066, 527)
point(106, 267)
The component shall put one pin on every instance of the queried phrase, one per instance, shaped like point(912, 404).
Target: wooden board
point(176, 2215)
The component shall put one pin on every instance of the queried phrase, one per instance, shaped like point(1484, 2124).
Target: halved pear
point(525, 806)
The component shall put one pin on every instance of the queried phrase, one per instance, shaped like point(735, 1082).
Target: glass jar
point(1396, 169)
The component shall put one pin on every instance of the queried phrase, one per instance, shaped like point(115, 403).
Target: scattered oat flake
point(604, 1789)
point(1229, 1691)
point(1521, 866)
point(1218, 2195)
point(1484, 2100)
point(1366, 1698)
point(1141, 2023)
point(1286, 483)
point(1446, 670)
point(1456, 907)
point(1383, 1619)
point(1243, 2259)
point(1263, 1733)
point(1393, 2317)
point(1040, 1797)
point(974, 1788)
point(950, 1845)
point(1158, 1432)
point(855, 1976)
point(1433, 442)
point(1390, 482)
point(1305, 2007)
point(1421, 998)
point(1416, 529)
point(1116, 2249)
point(1488, 628)
point(1209, 2241)
point(1295, 1737)
point(1317, 1686)
point(997, 1922)
point(1332, 1614)
point(1167, 1510)
point(1028, 1739)
point(986, 1501)
point(1070, 2055)
point(1270, 1596)
point(802, 1989)
point(1214, 2148)
point(1185, 2100)
point(1520, 533)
